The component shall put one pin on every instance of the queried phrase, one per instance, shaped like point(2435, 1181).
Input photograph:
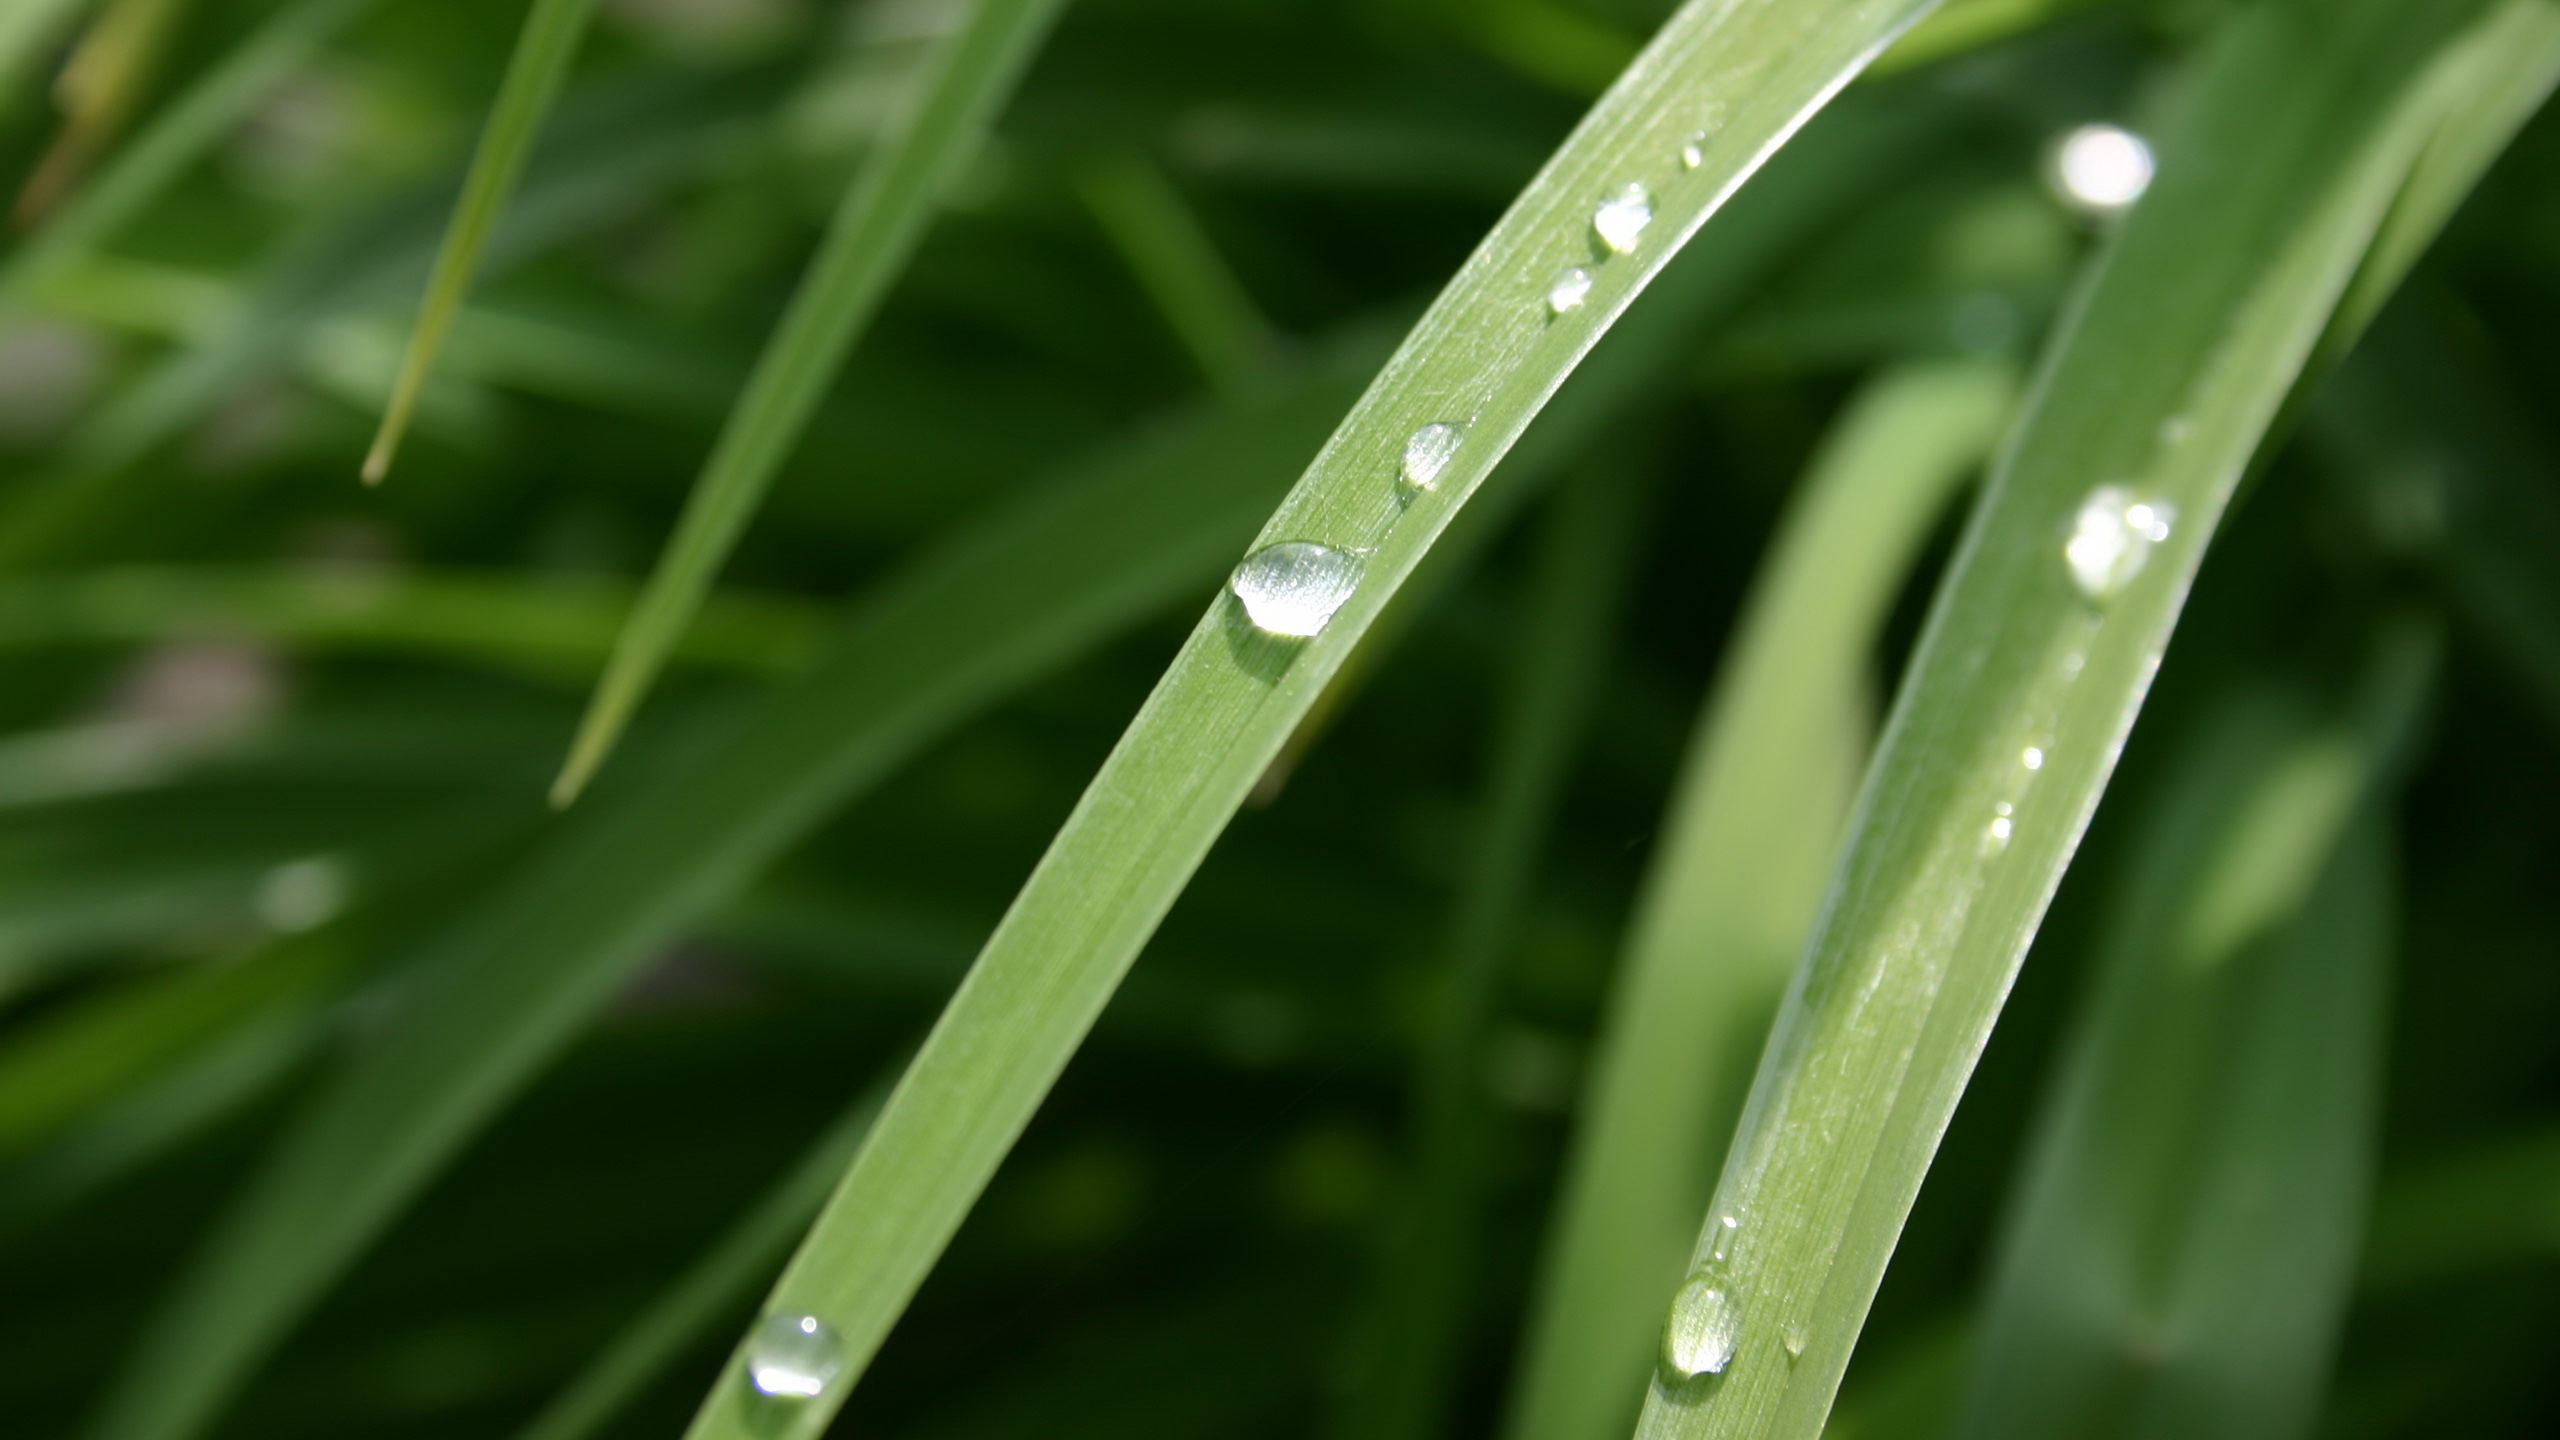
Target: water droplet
point(2111, 539)
point(1693, 151)
point(2004, 823)
point(1429, 452)
point(1720, 1248)
point(1294, 587)
point(1701, 1333)
point(2032, 757)
point(1793, 1337)
point(793, 1357)
point(2101, 170)
point(1570, 290)
point(1621, 218)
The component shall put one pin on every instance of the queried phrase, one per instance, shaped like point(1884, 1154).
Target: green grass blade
point(1177, 262)
point(1414, 1331)
point(2483, 1206)
point(2275, 177)
point(1486, 356)
point(27, 29)
point(710, 1291)
point(544, 51)
point(2186, 1224)
point(1730, 898)
point(194, 123)
point(879, 225)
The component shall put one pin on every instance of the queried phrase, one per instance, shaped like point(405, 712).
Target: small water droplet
point(2111, 539)
point(2004, 823)
point(1701, 1333)
point(2032, 757)
point(2101, 170)
point(1693, 151)
point(1793, 1337)
point(1294, 587)
point(1429, 452)
point(793, 1357)
point(1569, 291)
point(1720, 1248)
point(1622, 217)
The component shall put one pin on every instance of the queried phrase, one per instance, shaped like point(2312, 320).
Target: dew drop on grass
point(1622, 217)
point(2032, 757)
point(1720, 1248)
point(793, 1357)
point(1693, 151)
point(1429, 452)
point(2004, 823)
point(2112, 538)
point(1294, 587)
point(1703, 1329)
point(1794, 1339)
point(2101, 170)
point(1569, 291)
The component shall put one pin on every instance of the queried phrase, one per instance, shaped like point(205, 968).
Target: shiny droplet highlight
point(1702, 1332)
point(1294, 587)
point(793, 1357)
point(1622, 217)
point(1428, 453)
point(2112, 537)
point(1693, 151)
point(1569, 291)
point(2101, 170)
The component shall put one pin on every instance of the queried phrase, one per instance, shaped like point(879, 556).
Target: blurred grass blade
point(882, 219)
point(1406, 1346)
point(1729, 900)
point(1486, 357)
point(29, 28)
point(544, 51)
point(197, 120)
point(710, 1291)
point(1010, 599)
point(101, 84)
point(2274, 179)
point(2186, 1226)
point(2484, 1206)
point(1175, 259)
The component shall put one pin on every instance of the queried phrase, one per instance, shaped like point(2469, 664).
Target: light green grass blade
point(1730, 898)
point(2275, 176)
point(27, 28)
point(544, 51)
point(1486, 357)
point(710, 1290)
point(2186, 1225)
point(193, 123)
point(1414, 1331)
point(879, 225)
point(550, 626)
point(105, 78)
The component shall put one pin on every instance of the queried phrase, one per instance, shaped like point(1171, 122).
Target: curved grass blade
point(933, 648)
point(710, 1290)
point(2275, 178)
point(1485, 358)
point(1414, 1330)
point(544, 51)
point(879, 225)
point(193, 123)
point(1729, 900)
point(2186, 1222)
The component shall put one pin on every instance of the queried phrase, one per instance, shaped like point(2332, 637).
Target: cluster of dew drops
point(1292, 588)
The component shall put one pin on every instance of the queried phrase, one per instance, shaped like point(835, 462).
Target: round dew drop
point(1622, 217)
point(2101, 170)
point(1569, 291)
point(1294, 587)
point(793, 1357)
point(1693, 151)
point(1700, 1336)
point(2112, 537)
point(1429, 452)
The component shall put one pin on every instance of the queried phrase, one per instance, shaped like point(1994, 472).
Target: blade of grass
point(2485, 1205)
point(1175, 259)
point(27, 29)
point(544, 51)
point(193, 123)
point(949, 639)
point(1486, 356)
point(2184, 1233)
point(1408, 1341)
point(882, 219)
point(109, 70)
point(710, 1291)
point(1728, 902)
point(2275, 177)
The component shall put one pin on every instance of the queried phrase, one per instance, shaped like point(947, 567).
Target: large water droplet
point(1294, 587)
point(2112, 538)
point(1703, 1329)
point(1621, 218)
point(793, 1357)
point(2100, 170)
point(1429, 452)
point(1569, 291)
